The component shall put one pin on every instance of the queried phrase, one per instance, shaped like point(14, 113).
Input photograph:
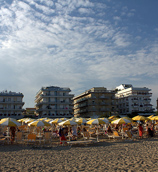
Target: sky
point(78, 44)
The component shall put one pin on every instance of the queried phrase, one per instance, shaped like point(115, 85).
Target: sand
point(131, 156)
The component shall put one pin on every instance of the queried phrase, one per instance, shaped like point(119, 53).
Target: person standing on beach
point(140, 130)
point(12, 134)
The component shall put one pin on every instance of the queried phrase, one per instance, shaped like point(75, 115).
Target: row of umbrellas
point(72, 121)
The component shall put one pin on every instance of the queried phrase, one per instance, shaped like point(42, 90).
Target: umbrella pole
point(8, 135)
point(97, 134)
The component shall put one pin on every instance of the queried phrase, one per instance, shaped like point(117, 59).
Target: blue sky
point(78, 44)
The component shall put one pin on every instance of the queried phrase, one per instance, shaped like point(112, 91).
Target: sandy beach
point(139, 155)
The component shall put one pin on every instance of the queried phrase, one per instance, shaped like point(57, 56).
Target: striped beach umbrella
point(39, 123)
point(10, 122)
point(81, 121)
point(56, 121)
point(68, 122)
point(96, 122)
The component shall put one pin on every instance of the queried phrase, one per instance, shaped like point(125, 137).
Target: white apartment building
point(133, 99)
point(54, 102)
point(11, 105)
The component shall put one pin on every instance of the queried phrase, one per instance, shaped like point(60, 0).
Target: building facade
point(29, 113)
point(11, 105)
point(133, 99)
point(95, 102)
point(54, 102)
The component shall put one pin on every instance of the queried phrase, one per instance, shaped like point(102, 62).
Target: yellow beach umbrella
point(154, 118)
point(111, 117)
point(121, 121)
point(150, 116)
point(139, 118)
point(63, 119)
point(10, 122)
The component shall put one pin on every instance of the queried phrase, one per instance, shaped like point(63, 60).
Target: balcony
point(11, 109)
point(104, 97)
point(53, 102)
point(104, 109)
point(12, 102)
point(57, 95)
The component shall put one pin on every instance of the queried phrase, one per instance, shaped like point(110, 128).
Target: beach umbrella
point(68, 122)
point(63, 119)
point(139, 118)
point(56, 121)
point(105, 120)
point(154, 118)
point(39, 123)
point(81, 121)
point(10, 122)
point(96, 122)
point(150, 116)
point(130, 119)
point(112, 117)
point(48, 120)
point(121, 121)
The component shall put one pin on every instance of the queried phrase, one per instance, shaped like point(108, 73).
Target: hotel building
point(54, 102)
point(11, 105)
point(133, 99)
point(95, 102)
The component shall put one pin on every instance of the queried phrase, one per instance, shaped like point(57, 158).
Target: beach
point(115, 155)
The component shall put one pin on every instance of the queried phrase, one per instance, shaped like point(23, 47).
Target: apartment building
point(11, 105)
point(54, 102)
point(95, 102)
point(133, 99)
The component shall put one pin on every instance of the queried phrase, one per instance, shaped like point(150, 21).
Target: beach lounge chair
point(2, 141)
point(130, 136)
point(87, 136)
point(19, 137)
point(115, 135)
point(31, 139)
point(47, 137)
point(87, 139)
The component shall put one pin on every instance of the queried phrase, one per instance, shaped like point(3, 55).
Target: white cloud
point(43, 43)
point(85, 11)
